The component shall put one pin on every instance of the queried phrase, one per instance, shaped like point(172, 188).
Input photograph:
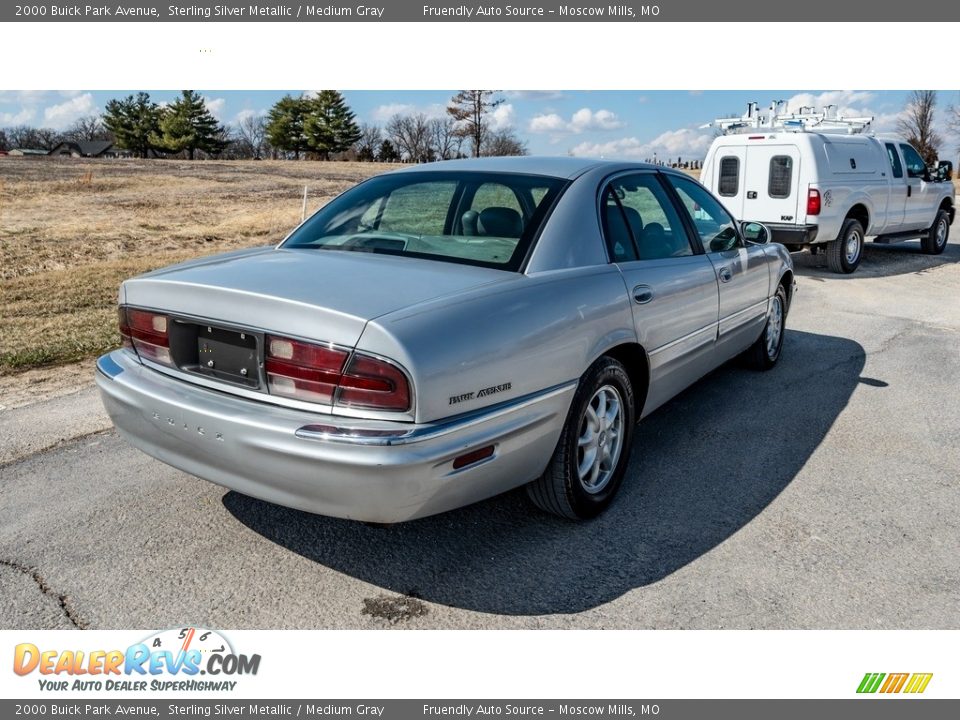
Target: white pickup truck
point(832, 191)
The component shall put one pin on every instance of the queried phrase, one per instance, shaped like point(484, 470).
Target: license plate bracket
point(228, 355)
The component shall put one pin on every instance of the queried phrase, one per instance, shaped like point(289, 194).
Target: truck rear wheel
point(936, 240)
point(844, 253)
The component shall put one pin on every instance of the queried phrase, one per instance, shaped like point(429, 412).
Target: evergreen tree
point(188, 125)
point(134, 121)
point(387, 152)
point(284, 125)
point(330, 126)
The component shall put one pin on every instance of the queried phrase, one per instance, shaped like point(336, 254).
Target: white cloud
point(383, 113)
point(502, 117)
point(244, 114)
point(60, 116)
point(23, 117)
point(215, 106)
point(686, 143)
point(583, 120)
point(533, 94)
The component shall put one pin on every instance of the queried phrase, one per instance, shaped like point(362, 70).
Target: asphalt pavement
point(822, 494)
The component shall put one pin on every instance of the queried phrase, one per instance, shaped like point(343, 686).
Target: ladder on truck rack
point(808, 119)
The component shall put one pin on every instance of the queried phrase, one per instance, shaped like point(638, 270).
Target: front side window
point(637, 207)
point(781, 174)
point(716, 227)
point(487, 219)
point(729, 183)
point(894, 158)
point(916, 167)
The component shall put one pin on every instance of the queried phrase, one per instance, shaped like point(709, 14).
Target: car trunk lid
point(313, 294)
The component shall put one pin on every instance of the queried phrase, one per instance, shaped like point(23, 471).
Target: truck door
point(772, 192)
point(729, 169)
point(918, 213)
point(897, 201)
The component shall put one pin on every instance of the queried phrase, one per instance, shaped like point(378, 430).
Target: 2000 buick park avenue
point(440, 334)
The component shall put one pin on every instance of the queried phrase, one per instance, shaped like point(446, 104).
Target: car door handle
point(909, 190)
point(724, 274)
point(642, 294)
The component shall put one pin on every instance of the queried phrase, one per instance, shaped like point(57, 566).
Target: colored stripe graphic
point(894, 682)
point(918, 682)
point(870, 682)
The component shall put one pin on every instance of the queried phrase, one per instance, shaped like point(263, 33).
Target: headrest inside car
point(500, 222)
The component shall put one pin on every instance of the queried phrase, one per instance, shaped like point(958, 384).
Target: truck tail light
point(813, 202)
point(146, 333)
point(322, 374)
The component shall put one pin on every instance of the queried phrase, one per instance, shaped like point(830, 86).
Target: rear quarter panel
point(487, 347)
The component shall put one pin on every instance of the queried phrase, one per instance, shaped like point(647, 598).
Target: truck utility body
point(830, 188)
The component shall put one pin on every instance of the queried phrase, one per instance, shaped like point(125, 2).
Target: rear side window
point(781, 174)
point(729, 183)
point(895, 163)
point(641, 221)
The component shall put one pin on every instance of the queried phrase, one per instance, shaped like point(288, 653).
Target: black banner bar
point(499, 11)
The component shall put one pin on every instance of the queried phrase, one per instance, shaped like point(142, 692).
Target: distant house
point(19, 152)
point(88, 148)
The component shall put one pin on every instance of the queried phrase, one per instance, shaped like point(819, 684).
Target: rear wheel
point(936, 240)
point(591, 457)
point(844, 253)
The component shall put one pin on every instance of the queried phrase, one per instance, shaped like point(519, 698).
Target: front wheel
point(936, 240)
point(591, 457)
point(844, 253)
point(765, 352)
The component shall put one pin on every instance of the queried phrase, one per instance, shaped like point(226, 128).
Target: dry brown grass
point(72, 230)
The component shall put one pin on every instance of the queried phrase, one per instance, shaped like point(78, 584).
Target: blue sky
point(599, 123)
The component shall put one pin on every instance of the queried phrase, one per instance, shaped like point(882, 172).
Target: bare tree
point(88, 128)
point(410, 134)
point(504, 142)
point(916, 124)
point(469, 108)
point(369, 143)
point(251, 135)
point(446, 138)
point(24, 136)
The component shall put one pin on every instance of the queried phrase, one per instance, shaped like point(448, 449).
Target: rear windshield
point(487, 219)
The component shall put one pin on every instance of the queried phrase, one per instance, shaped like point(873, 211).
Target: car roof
point(560, 167)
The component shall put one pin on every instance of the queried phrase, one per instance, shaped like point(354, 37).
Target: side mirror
point(756, 233)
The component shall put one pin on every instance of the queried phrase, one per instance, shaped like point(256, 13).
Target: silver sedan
point(443, 333)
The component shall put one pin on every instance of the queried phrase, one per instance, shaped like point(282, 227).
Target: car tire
point(765, 352)
point(573, 486)
point(844, 253)
point(936, 240)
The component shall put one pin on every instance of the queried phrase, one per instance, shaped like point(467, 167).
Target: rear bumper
point(793, 234)
point(372, 471)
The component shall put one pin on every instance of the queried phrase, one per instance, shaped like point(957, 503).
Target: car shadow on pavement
point(703, 466)
point(880, 260)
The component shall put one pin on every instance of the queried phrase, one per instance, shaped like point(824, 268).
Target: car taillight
point(813, 202)
point(369, 382)
point(303, 371)
point(320, 373)
point(146, 333)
